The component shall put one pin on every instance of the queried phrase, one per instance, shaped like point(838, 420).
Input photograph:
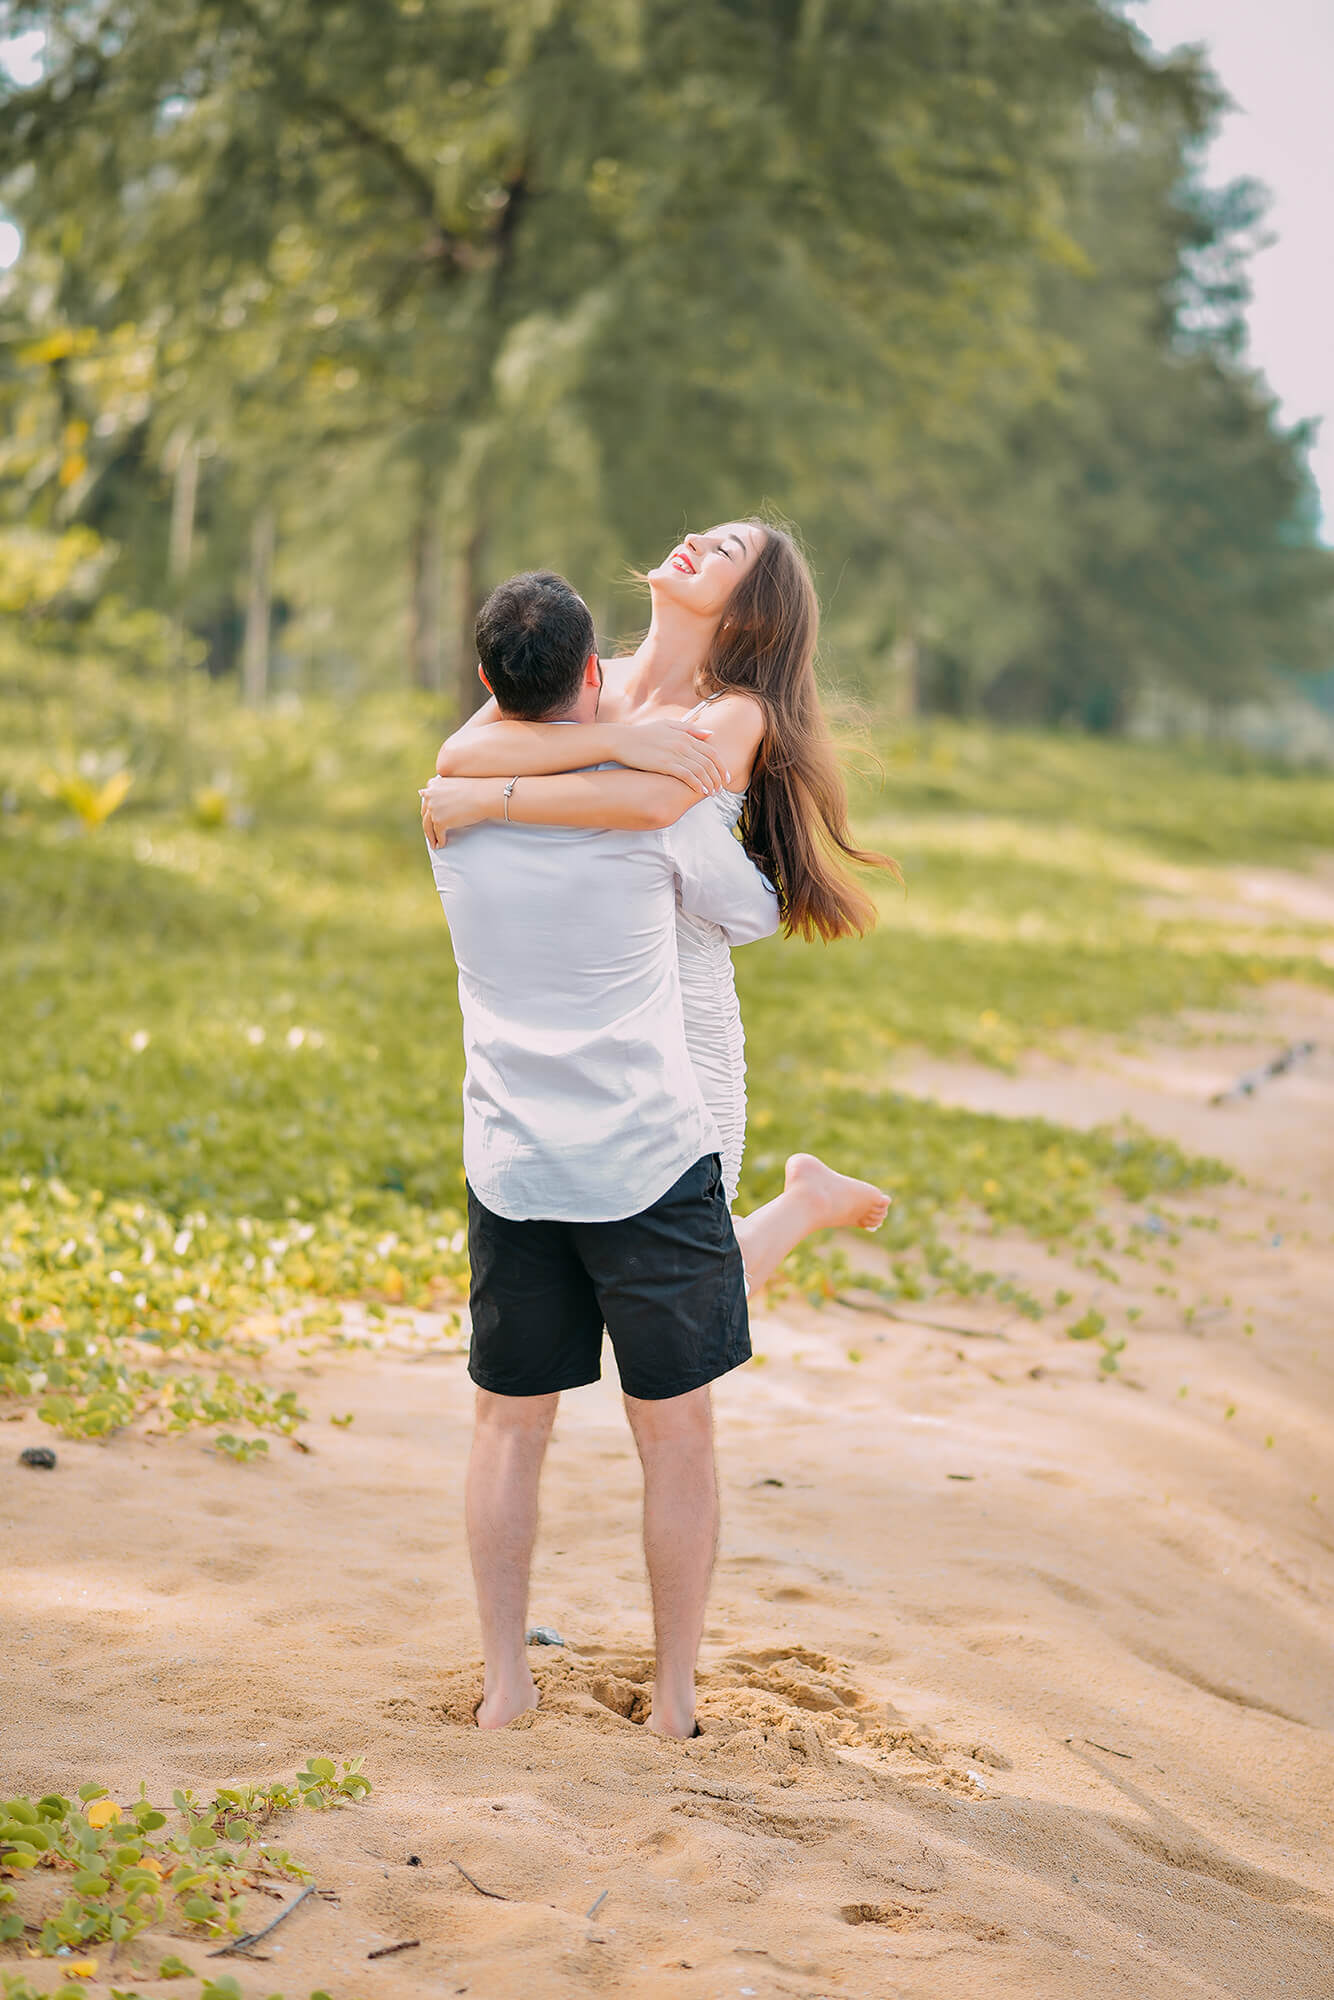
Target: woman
point(720, 700)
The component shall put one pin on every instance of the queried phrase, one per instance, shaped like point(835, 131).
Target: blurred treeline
point(331, 312)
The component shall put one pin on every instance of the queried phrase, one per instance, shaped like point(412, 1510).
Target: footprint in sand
point(910, 1916)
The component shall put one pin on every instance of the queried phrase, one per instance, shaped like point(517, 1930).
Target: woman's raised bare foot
point(504, 1705)
point(834, 1201)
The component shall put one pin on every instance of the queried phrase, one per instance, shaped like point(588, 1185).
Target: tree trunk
point(182, 462)
point(903, 676)
point(471, 693)
point(258, 610)
point(183, 457)
point(426, 634)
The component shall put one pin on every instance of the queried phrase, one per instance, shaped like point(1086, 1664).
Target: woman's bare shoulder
point(738, 720)
point(613, 707)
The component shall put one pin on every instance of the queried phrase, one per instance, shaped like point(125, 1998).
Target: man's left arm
point(718, 879)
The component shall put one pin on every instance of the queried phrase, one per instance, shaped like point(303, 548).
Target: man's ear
point(481, 675)
point(593, 671)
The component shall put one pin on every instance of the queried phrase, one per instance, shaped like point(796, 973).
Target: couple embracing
point(583, 828)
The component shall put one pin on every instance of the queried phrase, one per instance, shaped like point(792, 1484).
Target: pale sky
point(1275, 59)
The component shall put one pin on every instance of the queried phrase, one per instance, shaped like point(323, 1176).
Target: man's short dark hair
point(534, 636)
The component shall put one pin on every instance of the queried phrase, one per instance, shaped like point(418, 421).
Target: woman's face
point(702, 571)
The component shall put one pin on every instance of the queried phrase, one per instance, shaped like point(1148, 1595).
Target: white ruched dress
point(714, 1034)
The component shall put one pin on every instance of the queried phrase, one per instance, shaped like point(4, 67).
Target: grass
point(231, 1019)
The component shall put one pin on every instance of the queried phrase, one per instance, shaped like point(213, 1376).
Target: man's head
point(536, 646)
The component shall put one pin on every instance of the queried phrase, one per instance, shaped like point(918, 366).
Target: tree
point(613, 235)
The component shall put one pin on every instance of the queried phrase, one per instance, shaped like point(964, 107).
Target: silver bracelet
point(508, 789)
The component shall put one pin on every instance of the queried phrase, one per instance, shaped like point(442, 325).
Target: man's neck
point(582, 711)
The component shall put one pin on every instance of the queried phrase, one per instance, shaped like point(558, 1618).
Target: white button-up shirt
point(580, 1103)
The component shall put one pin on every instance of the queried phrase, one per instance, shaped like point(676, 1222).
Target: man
point(594, 1190)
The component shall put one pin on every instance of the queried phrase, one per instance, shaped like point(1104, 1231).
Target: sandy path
point(1016, 1682)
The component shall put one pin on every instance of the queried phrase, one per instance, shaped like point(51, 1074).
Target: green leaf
point(175, 1968)
point(91, 1791)
point(202, 1835)
point(199, 1909)
point(322, 1767)
point(224, 1988)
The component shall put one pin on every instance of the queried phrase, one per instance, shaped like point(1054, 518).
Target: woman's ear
point(481, 675)
point(593, 671)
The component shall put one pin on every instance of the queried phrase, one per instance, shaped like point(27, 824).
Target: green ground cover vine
point(102, 1873)
point(229, 1087)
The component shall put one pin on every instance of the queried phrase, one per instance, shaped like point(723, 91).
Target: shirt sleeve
point(717, 878)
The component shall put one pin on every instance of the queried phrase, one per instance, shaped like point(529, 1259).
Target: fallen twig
point(597, 1904)
point(888, 1311)
point(494, 1894)
point(1247, 1084)
point(241, 1946)
point(388, 1950)
point(1108, 1749)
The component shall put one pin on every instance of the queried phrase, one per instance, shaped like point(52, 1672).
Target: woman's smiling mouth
point(683, 563)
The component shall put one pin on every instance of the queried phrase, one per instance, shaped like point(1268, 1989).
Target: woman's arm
point(492, 746)
point(630, 799)
point(481, 718)
point(633, 799)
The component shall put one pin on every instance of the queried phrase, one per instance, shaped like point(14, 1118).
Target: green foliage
point(1092, 1325)
point(225, 1987)
point(450, 287)
point(229, 1096)
point(242, 1450)
point(122, 1878)
point(1131, 804)
point(92, 802)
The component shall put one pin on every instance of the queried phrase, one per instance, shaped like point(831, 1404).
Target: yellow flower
point(102, 1812)
point(83, 1968)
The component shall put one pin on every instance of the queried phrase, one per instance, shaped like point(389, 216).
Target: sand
point(1016, 1682)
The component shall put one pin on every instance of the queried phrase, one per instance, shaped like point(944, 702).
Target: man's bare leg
point(509, 1442)
point(675, 1442)
point(813, 1197)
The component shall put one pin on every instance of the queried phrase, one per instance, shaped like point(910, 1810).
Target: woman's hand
point(672, 749)
point(449, 803)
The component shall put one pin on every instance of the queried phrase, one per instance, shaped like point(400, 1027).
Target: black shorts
point(668, 1286)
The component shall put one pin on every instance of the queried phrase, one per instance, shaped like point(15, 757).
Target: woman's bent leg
point(813, 1197)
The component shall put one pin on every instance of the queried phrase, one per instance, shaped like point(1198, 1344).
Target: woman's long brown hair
point(795, 820)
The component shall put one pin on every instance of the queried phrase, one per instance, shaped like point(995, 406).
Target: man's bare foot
point(504, 1704)
point(834, 1201)
point(676, 1726)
